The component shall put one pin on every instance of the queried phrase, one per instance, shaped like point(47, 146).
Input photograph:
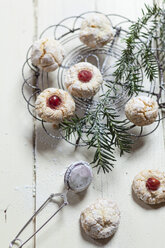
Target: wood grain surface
point(32, 164)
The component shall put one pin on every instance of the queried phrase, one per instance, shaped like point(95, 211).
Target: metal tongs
point(77, 178)
point(17, 241)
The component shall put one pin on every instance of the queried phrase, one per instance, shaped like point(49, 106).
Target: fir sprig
point(139, 51)
point(103, 131)
point(100, 127)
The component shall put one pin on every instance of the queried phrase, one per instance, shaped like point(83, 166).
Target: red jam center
point(54, 101)
point(152, 183)
point(84, 76)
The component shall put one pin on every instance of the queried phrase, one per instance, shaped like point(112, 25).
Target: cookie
point(54, 105)
point(149, 186)
point(141, 110)
point(47, 54)
point(95, 31)
point(101, 219)
point(83, 80)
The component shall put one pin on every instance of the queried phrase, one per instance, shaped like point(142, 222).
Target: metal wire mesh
point(67, 31)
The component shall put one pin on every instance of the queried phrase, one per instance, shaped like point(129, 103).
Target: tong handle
point(18, 241)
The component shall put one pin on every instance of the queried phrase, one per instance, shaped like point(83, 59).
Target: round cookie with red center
point(54, 105)
point(149, 186)
point(83, 80)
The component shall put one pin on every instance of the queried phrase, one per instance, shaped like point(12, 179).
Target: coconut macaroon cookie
point(141, 110)
point(47, 54)
point(101, 219)
point(95, 31)
point(54, 105)
point(149, 186)
point(83, 80)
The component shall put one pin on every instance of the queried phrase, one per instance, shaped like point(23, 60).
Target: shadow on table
point(76, 198)
point(97, 242)
point(139, 143)
point(46, 143)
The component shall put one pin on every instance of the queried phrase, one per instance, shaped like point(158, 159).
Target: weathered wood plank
point(16, 132)
point(53, 159)
point(144, 224)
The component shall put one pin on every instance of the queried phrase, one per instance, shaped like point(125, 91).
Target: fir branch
point(103, 132)
point(101, 128)
point(139, 50)
point(149, 63)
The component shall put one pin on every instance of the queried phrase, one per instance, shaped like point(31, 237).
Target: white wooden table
point(31, 169)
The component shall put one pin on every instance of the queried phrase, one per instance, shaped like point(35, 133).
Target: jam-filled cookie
point(95, 31)
point(149, 186)
point(101, 219)
point(54, 105)
point(47, 54)
point(141, 110)
point(83, 80)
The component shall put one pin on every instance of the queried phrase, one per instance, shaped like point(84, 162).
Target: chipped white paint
point(22, 171)
point(16, 128)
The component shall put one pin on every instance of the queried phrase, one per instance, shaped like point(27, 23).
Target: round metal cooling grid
point(75, 20)
point(29, 105)
point(80, 49)
point(31, 66)
point(141, 129)
point(157, 124)
point(23, 93)
point(58, 136)
point(36, 74)
point(76, 54)
point(83, 53)
point(81, 103)
point(72, 30)
point(75, 57)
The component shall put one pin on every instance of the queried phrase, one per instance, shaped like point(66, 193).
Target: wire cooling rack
point(67, 32)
